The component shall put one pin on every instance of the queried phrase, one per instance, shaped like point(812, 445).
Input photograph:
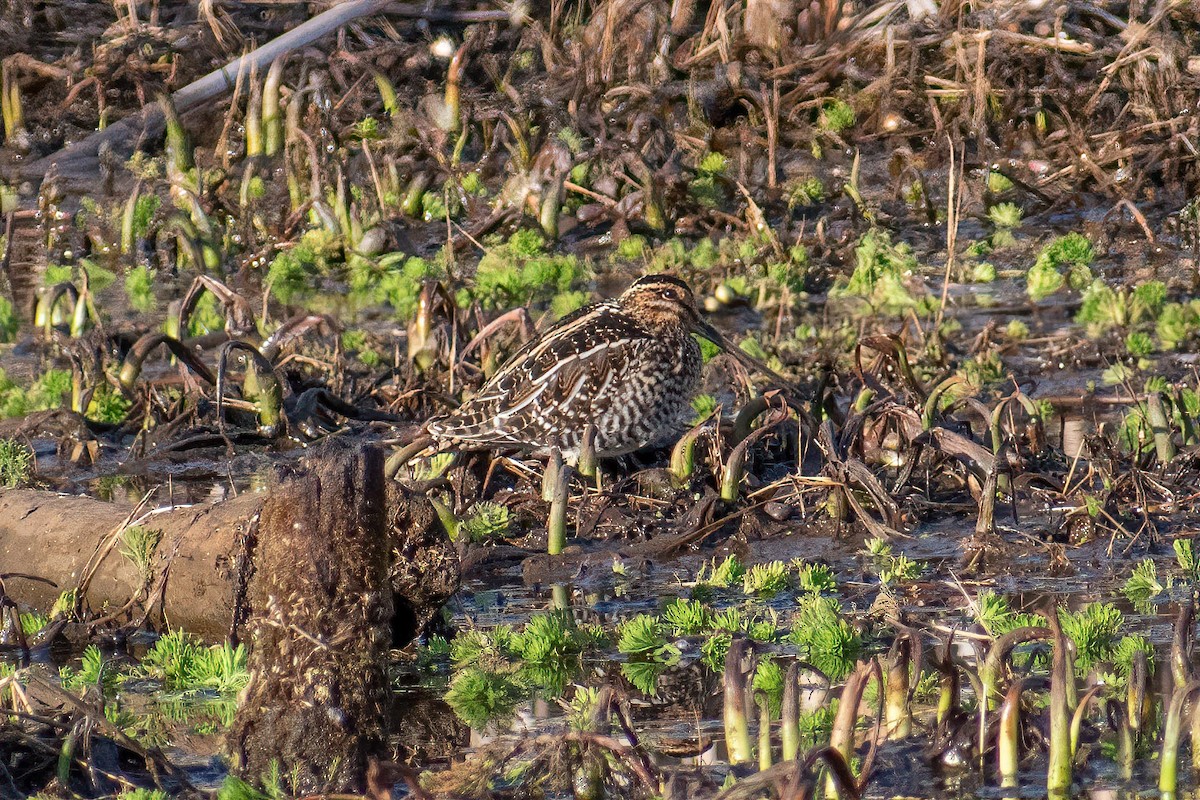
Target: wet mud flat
point(949, 555)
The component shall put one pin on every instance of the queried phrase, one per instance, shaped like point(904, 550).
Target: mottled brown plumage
point(628, 365)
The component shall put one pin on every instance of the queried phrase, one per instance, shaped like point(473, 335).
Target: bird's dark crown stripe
point(649, 280)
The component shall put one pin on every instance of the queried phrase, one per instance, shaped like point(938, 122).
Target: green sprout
point(642, 640)
point(292, 271)
point(1176, 324)
point(1139, 344)
point(108, 405)
point(687, 617)
point(520, 271)
point(706, 187)
point(766, 580)
point(16, 463)
point(768, 679)
point(32, 622)
point(815, 578)
point(892, 568)
point(1103, 308)
point(703, 405)
point(881, 270)
point(1017, 330)
point(804, 192)
point(93, 671)
point(550, 645)
point(723, 575)
point(836, 116)
point(1143, 584)
point(983, 272)
point(1073, 251)
point(488, 521)
point(1006, 216)
point(994, 613)
point(139, 287)
point(824, 636)
point(632, 247)
point(182, 664)
point(998, 182)
point(138, 544)
point(480, 697)
point(1185, 556)
point(10, 323)
point(1094, 631)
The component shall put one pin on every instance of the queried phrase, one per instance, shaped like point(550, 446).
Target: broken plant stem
point(556, 526)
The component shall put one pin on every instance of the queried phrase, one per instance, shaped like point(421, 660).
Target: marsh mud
point(949, 554)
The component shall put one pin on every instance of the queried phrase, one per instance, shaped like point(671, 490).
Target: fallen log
point(47, 540)
point(198, 576)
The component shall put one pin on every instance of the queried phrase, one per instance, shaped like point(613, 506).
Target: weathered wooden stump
point(317, 701)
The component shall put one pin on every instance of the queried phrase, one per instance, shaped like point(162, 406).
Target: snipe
point(628, 365)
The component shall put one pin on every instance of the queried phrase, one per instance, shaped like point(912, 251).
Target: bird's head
point(663, 302)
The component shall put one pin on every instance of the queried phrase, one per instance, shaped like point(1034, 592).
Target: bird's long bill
point(739, 355)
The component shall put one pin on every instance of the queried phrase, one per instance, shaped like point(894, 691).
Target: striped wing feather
point(551, 381)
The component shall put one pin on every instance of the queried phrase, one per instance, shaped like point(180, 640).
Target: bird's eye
point(670, 294)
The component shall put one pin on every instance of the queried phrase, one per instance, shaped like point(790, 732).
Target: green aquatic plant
point(836, 116)
point(1005, 216)
point(51, 390)
point(1139, 344)
point(108, 405)
point(1143, 584)
point(998, 182)
point(983, 272)
point(1186, 557)
point(707, 188)
point(722, 576)
point(292, 271)
point(138, 544)
point(766, 580)
point(520, 271)
point(139, 288)
point(768, 679)
point(1176, 324)
point(804, 192)
point(995, 615)
point(641, 639)
point(396, 279)
point(234, 788)
point(32, 622)
point(10, 323)
point(550, 645)
point(1094, 630)
point(565, 303)
point(1017, 330)
point(812, 577)
point(16, 463)
point(1073, 252)
point(703, 405)
point(890, 567)
point(823, 635)
point(687, 617)
point(93, 671)
point(475, 646)
point(143, 794)
point(881, 272)
point(487, 521)
point(1103, 307)
point(182, 664)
